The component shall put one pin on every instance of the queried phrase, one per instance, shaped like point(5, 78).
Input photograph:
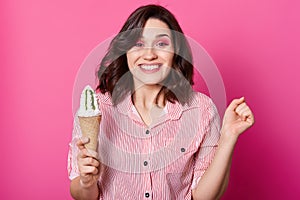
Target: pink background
point(255, 45)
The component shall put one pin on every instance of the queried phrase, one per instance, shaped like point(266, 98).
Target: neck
point(148, 96)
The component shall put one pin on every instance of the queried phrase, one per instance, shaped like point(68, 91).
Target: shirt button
point(182, 150)
point(147, 195)
point(145, 163)
point(147, 132)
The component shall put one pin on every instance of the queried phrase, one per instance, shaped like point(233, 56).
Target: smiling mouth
point(150, 67)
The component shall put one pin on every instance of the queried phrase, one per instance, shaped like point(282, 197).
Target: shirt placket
point(147, 148)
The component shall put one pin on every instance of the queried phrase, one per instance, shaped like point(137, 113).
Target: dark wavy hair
point(113, 74)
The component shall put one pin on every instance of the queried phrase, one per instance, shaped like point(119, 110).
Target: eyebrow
point(160, 35)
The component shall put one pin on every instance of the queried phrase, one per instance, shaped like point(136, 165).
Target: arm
point(85, 186)
point(238, 117)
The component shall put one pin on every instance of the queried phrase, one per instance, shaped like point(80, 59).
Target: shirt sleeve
point(209, 143)
point(73, 171)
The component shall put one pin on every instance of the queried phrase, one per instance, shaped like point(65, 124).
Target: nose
point(149, 53)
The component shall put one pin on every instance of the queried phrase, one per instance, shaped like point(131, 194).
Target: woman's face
point(150, 60)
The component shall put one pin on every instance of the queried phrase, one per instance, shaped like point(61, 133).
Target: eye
point(162, 44)
point(139, 44)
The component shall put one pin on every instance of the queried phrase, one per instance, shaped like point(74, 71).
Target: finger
point(234, 103)
point(85, 164)
point(89, 161)
point(83, 153)
point(250, 120)
point(246, 111)
point(81, 142)
point(89, 170)
point(241, 107)
point(250, 117)
point(92, 153)
point(246, 114)
point(244, 108)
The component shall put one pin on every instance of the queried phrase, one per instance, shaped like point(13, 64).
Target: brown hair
point(113, 74)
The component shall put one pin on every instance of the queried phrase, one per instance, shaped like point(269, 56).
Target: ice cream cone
point(90, 128)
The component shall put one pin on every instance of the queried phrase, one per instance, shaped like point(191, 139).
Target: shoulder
point(198, 103)
point(104, 99)
point(200, 100)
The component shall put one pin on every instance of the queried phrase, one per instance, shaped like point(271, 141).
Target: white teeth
point(149, 67)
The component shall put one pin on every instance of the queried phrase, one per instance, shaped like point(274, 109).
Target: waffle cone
point(90, 128)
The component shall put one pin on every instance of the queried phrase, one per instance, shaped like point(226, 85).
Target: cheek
point(130, 59)
point(169, 58)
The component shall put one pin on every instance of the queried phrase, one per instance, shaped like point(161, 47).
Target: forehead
point(155, 27)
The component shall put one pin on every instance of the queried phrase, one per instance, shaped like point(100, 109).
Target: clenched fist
point(238, 117)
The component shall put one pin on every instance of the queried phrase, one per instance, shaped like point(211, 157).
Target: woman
point(158, 138)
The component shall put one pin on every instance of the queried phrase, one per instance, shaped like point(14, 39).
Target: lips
point(150, 68)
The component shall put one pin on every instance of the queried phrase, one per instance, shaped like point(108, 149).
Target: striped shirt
point(164, 160)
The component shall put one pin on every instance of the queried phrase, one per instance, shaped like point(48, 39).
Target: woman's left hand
point(238, 117)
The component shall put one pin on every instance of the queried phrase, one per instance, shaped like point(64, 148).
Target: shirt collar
point(174, 110)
